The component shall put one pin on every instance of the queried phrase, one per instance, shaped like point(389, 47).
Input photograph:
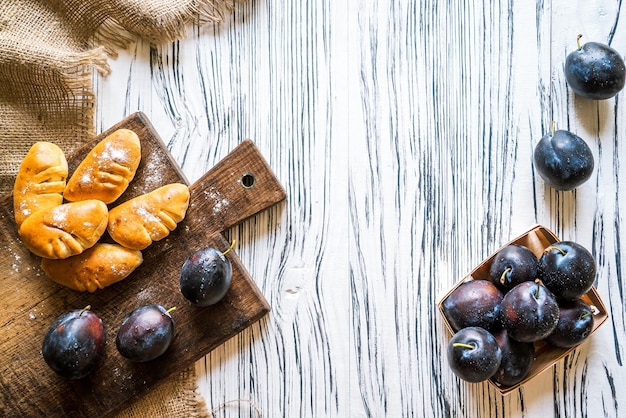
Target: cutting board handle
point(237, 187)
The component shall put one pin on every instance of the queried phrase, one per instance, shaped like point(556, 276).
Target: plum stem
point(503, 276)
point(463, 345)
point(170, 310)
point(553, 127)
point(586, 314)
point(230, 248)
point(580, 35)
point(85, 309)
point(554, 247)
point(538, 287)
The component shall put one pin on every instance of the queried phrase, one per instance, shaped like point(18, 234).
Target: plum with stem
point(145, 333)
point(513, 265)
point(529, 312)
point(474, 354)
point(568, 269)
point(563, 160)
point(206, 276)
point(74, 343)
point(595, 70)
point(574, 326)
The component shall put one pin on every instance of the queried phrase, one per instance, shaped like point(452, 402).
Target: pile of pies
point(62, 220)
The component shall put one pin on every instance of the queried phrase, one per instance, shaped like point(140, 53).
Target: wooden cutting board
point(237, 188)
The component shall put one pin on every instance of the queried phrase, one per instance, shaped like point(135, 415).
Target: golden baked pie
point(138, 222)
point(65, 230)
point(40, 180)
point(67, 235)
point(97, 267)
point(107, 170)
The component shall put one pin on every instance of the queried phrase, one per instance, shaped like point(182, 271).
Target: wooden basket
point(546, 355)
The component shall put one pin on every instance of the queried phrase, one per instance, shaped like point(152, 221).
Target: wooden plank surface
point(403, 133)
point(30, 301)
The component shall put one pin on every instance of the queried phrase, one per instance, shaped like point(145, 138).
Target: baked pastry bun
point(138, 222)
point(95, 268)
point(65, 230)
point(40, 180)
point(107, 170)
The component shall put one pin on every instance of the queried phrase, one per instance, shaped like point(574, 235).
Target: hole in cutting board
point(248, 180)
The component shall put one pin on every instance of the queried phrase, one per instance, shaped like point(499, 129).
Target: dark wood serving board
point(238, 187)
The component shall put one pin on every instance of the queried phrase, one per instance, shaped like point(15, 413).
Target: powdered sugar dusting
point(114, 153)
point(147, 215)
point(59, 214)
point(86, 176)
point(24, 209)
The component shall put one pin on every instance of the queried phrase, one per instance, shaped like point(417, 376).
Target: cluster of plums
point(526, 299)
point(594, 71)
point(75, 341)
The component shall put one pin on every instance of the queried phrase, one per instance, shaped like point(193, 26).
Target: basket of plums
point(521, 310)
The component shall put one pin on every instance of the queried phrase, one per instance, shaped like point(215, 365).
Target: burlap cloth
point(48, 52)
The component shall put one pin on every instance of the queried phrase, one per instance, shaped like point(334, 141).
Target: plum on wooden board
point(529, 312)
point(74, 343)
point(517, 360)
point(474, 303)
point(206, 276)
point(568, 269)
point(595, 71)
point(145, 333)
point(563, 160)
point(474, 354)
point(513, 265)
point(574, 326)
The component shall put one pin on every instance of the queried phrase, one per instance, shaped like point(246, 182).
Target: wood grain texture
point(219, 200)
point(403, 133)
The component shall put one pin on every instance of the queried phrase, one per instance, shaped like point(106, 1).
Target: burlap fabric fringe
point(48, 54)
point(47, 59)
point(178, 397)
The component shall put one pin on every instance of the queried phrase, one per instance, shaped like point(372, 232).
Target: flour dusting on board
point(146, 294)
point(220, 203)
point(16, 265)
point(153, 169)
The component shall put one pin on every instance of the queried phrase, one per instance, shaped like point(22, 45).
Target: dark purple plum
point(574, 326)
point(517, 360)
point(474, 303)
point(205, 277)
point(74, 343)
point(513, 265)
point(568, 269)
point(529, 312)
point(563, 160)
point(595, 71)
point(474, 354)
point(146, 333)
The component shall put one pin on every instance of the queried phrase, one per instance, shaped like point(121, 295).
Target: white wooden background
point(402, 132)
